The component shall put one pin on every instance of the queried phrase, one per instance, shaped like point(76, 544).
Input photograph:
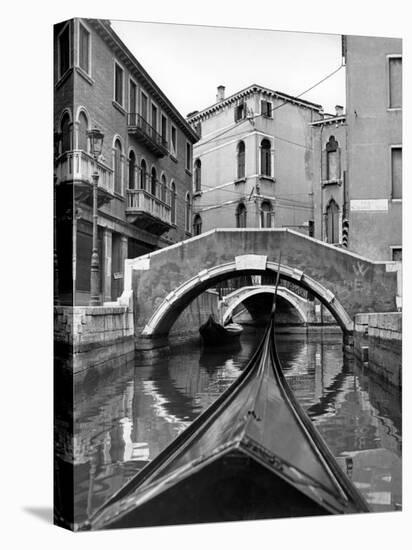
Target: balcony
point(148, 211)
point(76, 168)
point(147, 135)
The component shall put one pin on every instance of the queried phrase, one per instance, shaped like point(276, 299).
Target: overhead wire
point(277, 106)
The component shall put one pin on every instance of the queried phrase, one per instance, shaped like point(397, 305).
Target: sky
point(188, 62)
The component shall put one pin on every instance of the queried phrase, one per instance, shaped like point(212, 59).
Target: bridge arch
point(243, 293)
point(177, 300)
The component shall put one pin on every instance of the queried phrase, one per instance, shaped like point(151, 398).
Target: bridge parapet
point(164, 282)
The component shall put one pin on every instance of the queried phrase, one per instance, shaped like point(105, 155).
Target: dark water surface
point(124, 417)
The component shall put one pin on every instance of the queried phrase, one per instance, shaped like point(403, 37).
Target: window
point(117, 167)
point(66, 133)
point(163, 188)
point(187, 212)
point(240, 112)
point(332, 160)
point(118, 84)
point(132, 98)
point(241, 215)
point(396, 165)
point(144, 107)
point(143, 174)
point(241, 160)
point(82, 135)
point(197, 225)
point(188, 157)
point(153, 180)
point(266, 214)
point(198, 182)
point(154, 117)
point(395, 82)
point(265, 164)
point(266, 108)
point(173, 142)
point(397, 254)
point(164, 128)
point(84, 49)
point(132, 169)
point(64, 56)
point(332, 222)
point(173, 202)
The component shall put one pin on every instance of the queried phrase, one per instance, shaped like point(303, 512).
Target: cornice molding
point(125, 56)
point(250, 90)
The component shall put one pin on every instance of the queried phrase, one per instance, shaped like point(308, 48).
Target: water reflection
point(125, 417)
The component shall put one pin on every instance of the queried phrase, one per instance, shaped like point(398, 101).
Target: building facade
point(330, 179)
point(253, 164)
point(144, 190)
point(374, 145)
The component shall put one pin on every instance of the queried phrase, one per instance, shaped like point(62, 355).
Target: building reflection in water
point(124, 417)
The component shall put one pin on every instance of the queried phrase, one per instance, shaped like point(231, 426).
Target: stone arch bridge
point(162, 283)
point(237, 297)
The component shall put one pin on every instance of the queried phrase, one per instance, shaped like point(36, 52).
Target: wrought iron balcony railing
point(145, 133)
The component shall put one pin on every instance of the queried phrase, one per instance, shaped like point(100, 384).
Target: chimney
point(339, 110)
point(220, 96)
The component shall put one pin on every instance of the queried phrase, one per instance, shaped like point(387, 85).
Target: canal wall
point(378, 343)
point(88, 336)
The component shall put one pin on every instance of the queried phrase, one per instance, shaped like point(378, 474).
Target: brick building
point(145, 179)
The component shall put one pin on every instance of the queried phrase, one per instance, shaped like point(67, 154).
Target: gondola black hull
point(235, 487)
point(253, 454)
point(214, 334)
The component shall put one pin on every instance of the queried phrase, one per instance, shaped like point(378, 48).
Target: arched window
point(265, 164)
point(82, 136)
point(187, 212)
point(241, 215)
point(197, 225)
point(173, 202)
point(132, 169)
point(143, 174)
point(198, 181)
point(66, 137)
point(240, 160)
point(117, 167)
point(153, 180)
point(266, 214)
point(163, 188)
point(332, 222)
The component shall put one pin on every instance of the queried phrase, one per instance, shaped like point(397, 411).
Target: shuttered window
point(266, 108)
point(240, 112)
point(241, 160)
point(84, 49)
point(396, 172)
point(132, 97)
point(118, 84)
point(395, 82)
point(265, 165)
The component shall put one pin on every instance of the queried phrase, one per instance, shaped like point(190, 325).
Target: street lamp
point(56, 140)
point(96, 143)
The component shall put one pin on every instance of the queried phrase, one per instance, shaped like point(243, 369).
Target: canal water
point(124, 417)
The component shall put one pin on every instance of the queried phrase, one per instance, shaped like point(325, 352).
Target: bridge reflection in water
point(124, 418)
